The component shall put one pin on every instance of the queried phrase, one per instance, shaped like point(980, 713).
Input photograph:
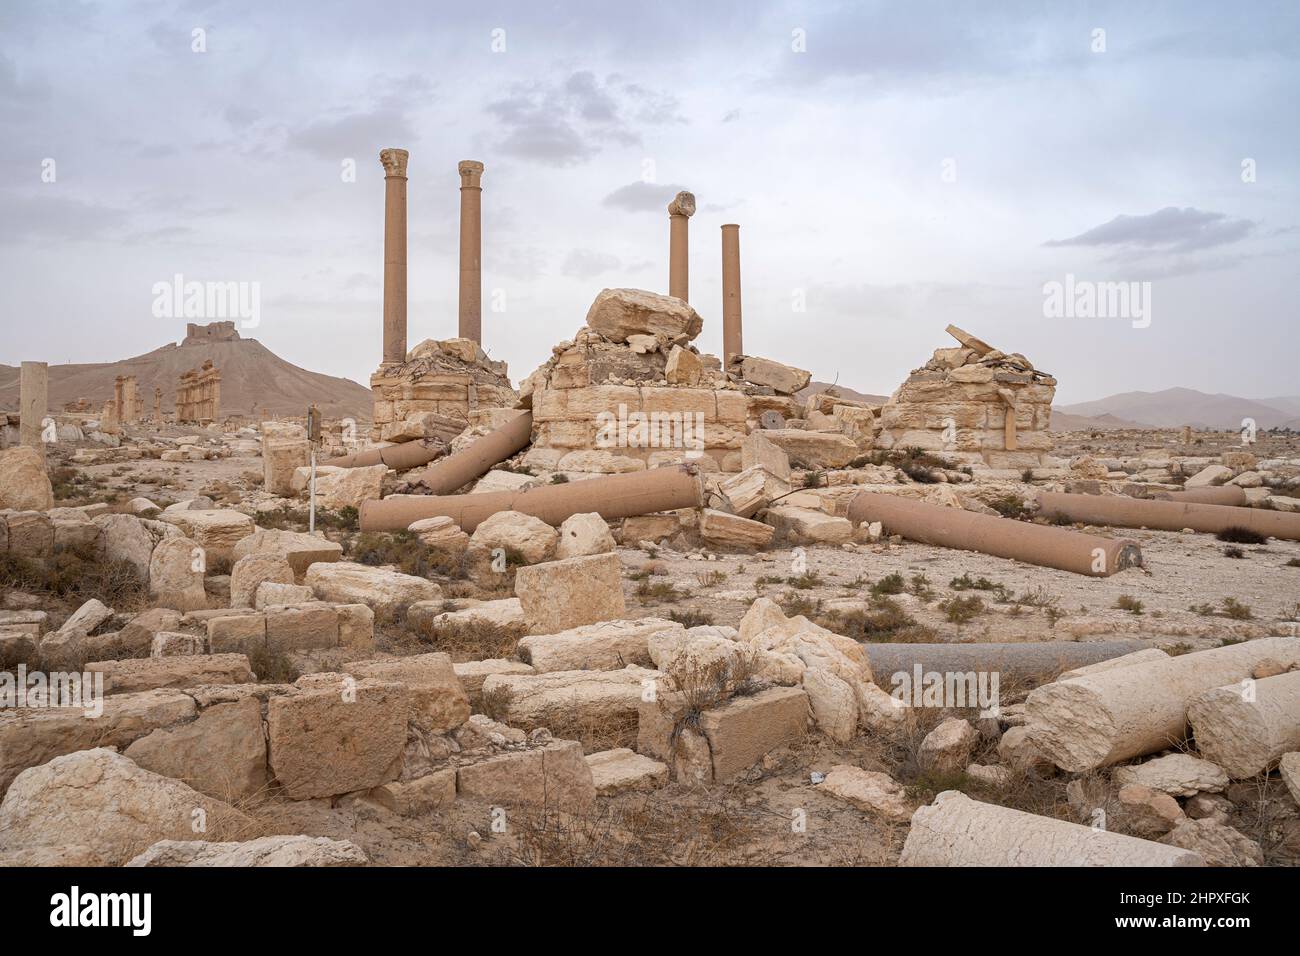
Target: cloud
point(588, 263)
point(54, 217)
point(565, 123)
point(1167, 230)
point(357, 134)
point(643, 197)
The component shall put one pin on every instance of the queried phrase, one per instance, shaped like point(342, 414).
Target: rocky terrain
point(195, 678)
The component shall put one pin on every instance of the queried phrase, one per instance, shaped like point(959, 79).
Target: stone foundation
point(958, 404)
point(449, 379)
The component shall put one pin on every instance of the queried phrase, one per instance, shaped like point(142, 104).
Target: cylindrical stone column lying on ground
point(1002, 537)
point(1246, 728)
point(958, 831)
point(1121, 511)
point(409, 454)
point(1114, 715)
point(617, 496)
point(477, 458)
point(394, 162)
point(1036, 661)
point(1223, 495)
point(731, 331)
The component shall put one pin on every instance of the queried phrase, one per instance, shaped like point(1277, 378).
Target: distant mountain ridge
point(1174, 407)
point(251, 375)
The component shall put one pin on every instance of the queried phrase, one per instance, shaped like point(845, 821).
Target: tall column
point(471, 250)
point(216, 394)
point(157, 405)
point(33, 384)
point(680, 211)
point(119, 390)
point(731, 344)
point(394, 162)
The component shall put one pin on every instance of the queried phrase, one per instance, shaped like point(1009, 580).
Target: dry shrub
point(78, 574)
point(653, 830)
point(472, 640)
point(886, 622)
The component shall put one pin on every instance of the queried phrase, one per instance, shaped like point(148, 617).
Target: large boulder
point(176, 570)
point(126, 538)
point(327, 740)
point(217, 530)
point(105, 801)
point(277, 851)
point(349, 487)
point(253, 570)
point(24, 482)
point(344, 582)
point(584, 534)
point(620, 313)
point(222, 754)
point(558, 595)
point(299, 548)
point(525, 535)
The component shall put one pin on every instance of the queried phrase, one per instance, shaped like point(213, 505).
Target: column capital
point(394, 162)
point(471, 173)
point(683, 204)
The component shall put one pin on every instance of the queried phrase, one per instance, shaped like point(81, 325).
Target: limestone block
point(558, 595)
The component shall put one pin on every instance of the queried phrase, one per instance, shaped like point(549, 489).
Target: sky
point(894, 167)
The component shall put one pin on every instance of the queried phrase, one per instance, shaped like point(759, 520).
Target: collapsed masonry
point(630, 392)
point(974, 403)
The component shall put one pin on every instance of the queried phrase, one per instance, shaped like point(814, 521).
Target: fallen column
point(1036, 661)
point(1248, 736)
point(1120, 511)
point(476, 459)
point(1223, 495)
point(617, 496)
point(1114, 715)
point(958, 831)
point(409, 454)
point(1002, 537)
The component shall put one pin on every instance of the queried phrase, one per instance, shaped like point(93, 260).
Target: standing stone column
point(680, 211)
point(731, 339)
point(394, 162)
point(119, 395)
point(471, 250)
point(33, 384)
point(157, 405)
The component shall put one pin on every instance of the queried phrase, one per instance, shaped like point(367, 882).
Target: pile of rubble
point(436, 388)
point(975, 403)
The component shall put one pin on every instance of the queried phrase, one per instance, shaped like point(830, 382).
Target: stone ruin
point(975, 404)
point(196, 334)
point(198, 395)
point(434, 388)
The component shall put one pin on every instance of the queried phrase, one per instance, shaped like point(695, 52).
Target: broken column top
point(683, 204)
point(620, 313)
point(394, 161)
point(471, 172)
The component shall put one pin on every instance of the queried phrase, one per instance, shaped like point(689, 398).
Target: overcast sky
point(894, 167)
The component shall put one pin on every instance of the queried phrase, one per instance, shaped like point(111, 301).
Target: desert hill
point(1174, 407)
point(251, 374)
